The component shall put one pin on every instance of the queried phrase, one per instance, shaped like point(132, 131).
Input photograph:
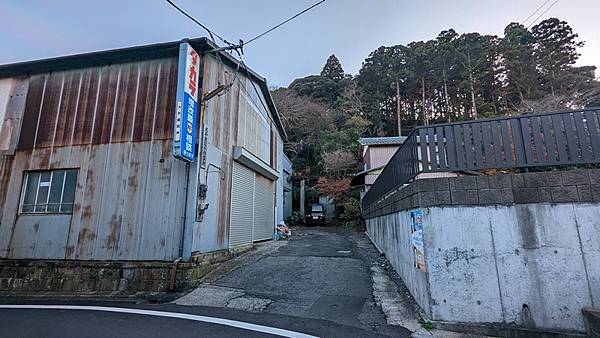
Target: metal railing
point(524, 141)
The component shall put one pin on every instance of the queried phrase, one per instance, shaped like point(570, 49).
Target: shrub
point(351, 216)
point(296, 219)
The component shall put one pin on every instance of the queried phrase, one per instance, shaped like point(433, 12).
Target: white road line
point(219, 321)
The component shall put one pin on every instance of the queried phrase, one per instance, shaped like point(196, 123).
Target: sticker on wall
point(416, 228)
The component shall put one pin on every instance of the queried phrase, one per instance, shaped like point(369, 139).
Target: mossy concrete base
point(102, 278)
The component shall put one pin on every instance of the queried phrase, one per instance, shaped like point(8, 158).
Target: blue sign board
point(186, 110)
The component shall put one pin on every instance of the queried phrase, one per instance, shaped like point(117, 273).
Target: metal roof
point(358, 179)
point(144, 52)
point(392, 140)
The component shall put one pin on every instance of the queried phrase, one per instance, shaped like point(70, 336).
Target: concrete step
point(592, 321)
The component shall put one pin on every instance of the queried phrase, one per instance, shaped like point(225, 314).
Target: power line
point(238, 48)
point(544, 12)
point(210, 33)
point(534, 12)
point(284, 22)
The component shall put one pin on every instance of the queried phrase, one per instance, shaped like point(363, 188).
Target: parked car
point(315, 214)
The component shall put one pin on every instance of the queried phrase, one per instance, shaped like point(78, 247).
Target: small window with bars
point(49, 192)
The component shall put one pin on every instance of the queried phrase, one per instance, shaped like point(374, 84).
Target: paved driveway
point(321, 273)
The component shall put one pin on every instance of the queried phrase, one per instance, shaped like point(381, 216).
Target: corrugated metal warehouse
point(87, 165)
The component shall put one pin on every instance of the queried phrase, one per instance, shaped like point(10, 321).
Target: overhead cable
point(535, 12)
point(284, 22)
point(544, 12)
point(210, 33)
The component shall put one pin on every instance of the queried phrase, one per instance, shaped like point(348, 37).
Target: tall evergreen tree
point(519, 64)
point(555, 50)
point(333, 69)
point(420, 64)
point(445, 66)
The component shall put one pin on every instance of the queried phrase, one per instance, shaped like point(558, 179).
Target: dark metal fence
point(536, 140)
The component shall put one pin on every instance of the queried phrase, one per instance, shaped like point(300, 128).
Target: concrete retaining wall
point(530, 265)
point(392, 235)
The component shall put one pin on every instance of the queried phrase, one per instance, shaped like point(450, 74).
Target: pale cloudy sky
point(351, 29)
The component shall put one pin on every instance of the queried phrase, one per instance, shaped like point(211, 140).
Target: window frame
point(27, 175)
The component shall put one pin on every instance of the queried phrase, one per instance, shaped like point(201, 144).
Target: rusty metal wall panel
point(6, 88)
point(132, 215)
point(49, 113)
point(128, 204)
point(13, 95)
point(37, 85)
point(86, 106)
point(165, 104)
point(40, 237)
point(99, 105)
point(64, 115)
point(105, 105)
point(123, 117)
point(146, 103)
point(110, 219)
point(220, 116)
point(11, 202)
point(6, 162)
point(157, 222)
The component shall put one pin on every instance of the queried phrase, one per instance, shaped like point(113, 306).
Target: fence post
point(526, 169)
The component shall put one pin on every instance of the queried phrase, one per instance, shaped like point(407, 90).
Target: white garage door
point(263, 209)
point(242, 205)
point(252, 211)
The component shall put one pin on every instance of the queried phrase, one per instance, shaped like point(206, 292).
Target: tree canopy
point(448, 78)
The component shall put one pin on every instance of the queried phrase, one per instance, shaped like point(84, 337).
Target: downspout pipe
point(187, 188)
point(173, 282)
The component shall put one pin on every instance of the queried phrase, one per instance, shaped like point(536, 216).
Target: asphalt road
point(80, 323)
point(317, 284)
point(85, 323)
point(322, 273)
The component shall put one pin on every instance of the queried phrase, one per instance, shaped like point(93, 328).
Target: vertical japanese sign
point(417, 238)
point(186, 110)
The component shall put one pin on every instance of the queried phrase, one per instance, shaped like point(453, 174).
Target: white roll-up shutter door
point(264, 223)
point(242, 205)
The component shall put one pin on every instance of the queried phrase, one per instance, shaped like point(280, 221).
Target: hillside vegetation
point(450, 78)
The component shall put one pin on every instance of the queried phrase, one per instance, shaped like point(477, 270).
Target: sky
point(350, 29)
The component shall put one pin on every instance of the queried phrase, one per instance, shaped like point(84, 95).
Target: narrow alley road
point(321, 273)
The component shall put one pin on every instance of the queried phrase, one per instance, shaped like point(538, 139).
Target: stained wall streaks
point(114, 123)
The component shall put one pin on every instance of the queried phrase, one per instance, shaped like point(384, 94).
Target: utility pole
point(302, 187)
point(398, 108)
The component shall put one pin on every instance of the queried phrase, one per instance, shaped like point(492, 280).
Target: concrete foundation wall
point(521, 265)
point(101, 278)
point(392, 235)
point(533, 266)
point(528, 265)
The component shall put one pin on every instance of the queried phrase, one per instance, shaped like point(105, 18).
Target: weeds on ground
point(426, 324)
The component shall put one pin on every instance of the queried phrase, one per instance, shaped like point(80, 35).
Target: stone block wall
point(62, 277)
